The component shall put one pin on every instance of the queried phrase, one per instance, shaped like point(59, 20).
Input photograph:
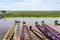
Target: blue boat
point(47, 31)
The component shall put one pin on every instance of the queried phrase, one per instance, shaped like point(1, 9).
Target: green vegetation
point(32, 14)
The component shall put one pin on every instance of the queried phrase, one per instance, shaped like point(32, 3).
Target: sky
point(29, 4)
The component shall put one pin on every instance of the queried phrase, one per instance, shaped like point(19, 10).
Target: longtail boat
point(56, 22)
point(10, 33)
point(25, 34)
point(17, 31)
point(42, 29)
point(52, 32)
point(40, 35)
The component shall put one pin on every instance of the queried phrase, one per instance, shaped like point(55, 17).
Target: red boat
point(25, 34)
point(40, 35)
point(48, 31)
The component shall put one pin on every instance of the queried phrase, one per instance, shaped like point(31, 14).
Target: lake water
point(5, 23)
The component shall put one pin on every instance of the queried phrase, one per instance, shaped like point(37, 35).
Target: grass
point(33, 14)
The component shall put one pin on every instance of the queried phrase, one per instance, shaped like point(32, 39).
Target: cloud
point(30, 5)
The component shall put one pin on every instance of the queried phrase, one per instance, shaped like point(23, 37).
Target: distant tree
point(3, 12)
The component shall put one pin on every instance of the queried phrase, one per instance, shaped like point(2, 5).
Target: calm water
point(5, 23)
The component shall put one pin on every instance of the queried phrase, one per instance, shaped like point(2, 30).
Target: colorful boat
point(47, 31)
point(56, 23)
point(40, 35)
point(25, 34)
point(17, 31)
point(53, 31)
point(10, 33)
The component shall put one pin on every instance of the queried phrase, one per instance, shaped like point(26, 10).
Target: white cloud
point(31, 5)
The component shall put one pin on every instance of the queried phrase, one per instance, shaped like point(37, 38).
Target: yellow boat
point(10, 33)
